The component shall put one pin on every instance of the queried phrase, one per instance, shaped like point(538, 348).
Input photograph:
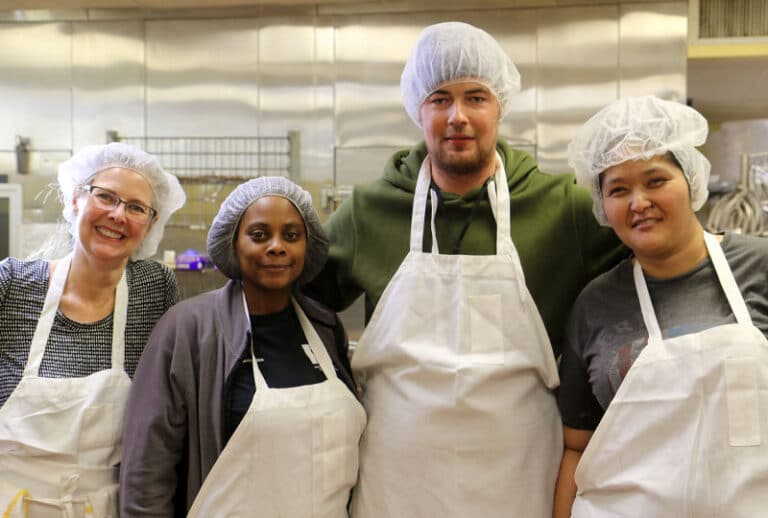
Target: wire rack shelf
point(210, 167)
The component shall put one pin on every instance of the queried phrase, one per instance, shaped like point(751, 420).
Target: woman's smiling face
point(271, 246)
point(648, 205)
point(109, 233)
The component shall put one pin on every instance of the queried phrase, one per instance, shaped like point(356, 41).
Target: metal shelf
point(210, 167)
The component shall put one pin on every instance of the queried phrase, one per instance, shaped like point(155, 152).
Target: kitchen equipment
point(745, 208)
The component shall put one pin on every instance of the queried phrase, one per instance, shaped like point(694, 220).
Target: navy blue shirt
point(278, 342)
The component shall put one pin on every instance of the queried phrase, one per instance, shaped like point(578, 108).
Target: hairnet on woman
point(664, 373)
point(247, 387)
point(72, 330)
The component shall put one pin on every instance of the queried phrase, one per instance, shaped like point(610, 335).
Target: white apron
point(294, 454)
point(458, 373)
point(60, 438)
point(687, 433)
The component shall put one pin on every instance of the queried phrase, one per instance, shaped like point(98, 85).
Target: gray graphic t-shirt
point(606, 332)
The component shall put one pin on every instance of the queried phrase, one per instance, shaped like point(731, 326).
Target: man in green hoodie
point(469, 258)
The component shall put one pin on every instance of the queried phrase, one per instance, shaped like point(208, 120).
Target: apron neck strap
point(315, 343)
point(646, 306)
point(727, 280)
point(119, 320)
point(51, 306)
point(498, 197)
point(419, 208)
point(724, 275)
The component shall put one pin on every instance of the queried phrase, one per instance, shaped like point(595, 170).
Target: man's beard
point(461, 166)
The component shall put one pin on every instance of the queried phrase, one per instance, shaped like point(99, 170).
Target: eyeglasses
point(107, 199)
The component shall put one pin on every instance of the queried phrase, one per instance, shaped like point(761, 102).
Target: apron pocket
point(743, 401)
point(486, 330)
point(338, 462)
point(97, 431)
point(103, 503)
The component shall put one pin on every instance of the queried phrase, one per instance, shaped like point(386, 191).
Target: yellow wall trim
point(728, 50)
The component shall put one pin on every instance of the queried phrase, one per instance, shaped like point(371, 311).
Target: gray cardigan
point(170, 441)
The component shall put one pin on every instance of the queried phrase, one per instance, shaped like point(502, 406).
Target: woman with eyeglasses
point(72, 330)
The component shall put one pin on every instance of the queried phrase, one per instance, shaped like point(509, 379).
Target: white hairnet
point(453, 51)
point(640, 128)
point(91, 160)
point(221, 236)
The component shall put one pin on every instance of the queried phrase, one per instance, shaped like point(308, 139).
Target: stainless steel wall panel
point(370, 53)
point(361, 164)
point(318, 145)
point(370, 122)
point(202, 77)
point(291, 96)
point(36, 64)
point(107, 80)
point(11, 12)
point(652, 53)
point(578, 73)
point(334, 77)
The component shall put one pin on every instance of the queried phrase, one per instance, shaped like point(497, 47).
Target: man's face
point(460, 123)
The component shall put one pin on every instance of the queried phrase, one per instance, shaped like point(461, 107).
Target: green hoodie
point(561, 245)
